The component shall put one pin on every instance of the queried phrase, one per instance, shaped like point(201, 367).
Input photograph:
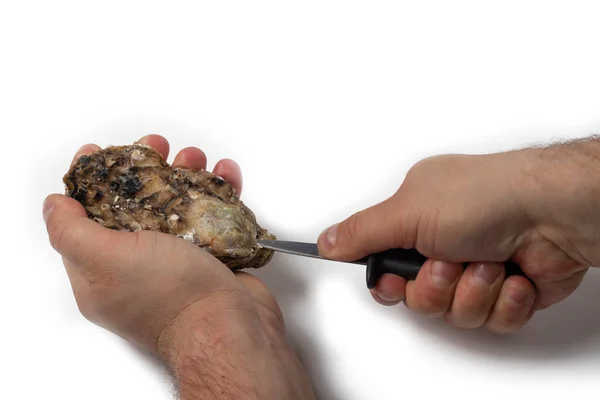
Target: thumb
point(79, 239)
point(375, 229)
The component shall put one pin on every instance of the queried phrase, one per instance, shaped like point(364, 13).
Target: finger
point(78, 238)
point(475, 295)
point(431, 293)
point(157, 142)
point(85, 150)
point(514, 306)
point(550, 293)
point(372, 230)
point(190, 157)
point(389, 290)
point(231, 172)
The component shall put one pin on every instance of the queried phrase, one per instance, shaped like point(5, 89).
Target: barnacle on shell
point(132, 188)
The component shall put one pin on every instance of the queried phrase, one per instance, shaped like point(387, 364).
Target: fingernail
point(518, 296)
point(328, 237)
point(387, 297)
point(443, 274)
point(47, 209)
point(80, 151)
point(486, 274)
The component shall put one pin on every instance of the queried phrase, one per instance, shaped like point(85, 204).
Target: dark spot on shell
point(169, 204)
point(114, 186)
point(85, 160)
point(80, 194)
point(130, 185)
point(99, 194)
point(101, 174)
point(217, 181)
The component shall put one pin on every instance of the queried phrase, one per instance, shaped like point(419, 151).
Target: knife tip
point(264, 243)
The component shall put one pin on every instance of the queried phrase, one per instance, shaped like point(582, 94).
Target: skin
point(536, 207)
point(219, 333)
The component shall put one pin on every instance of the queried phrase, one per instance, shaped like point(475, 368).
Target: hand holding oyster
point(132, 188)
point(133, 276)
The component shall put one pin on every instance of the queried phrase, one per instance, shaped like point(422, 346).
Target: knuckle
point(472, 311)
point(428, 164)
point(349, 231)
point(415, 170)
point(430, 306)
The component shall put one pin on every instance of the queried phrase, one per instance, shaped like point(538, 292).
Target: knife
point(405, 263)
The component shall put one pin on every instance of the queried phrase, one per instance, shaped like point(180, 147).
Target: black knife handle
point(408, 263)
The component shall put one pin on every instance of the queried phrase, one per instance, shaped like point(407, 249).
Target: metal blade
point(299, 249)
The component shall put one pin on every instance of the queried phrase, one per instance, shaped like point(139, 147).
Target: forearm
point(205, 356)
point(560, 186)
point(224, 355)
point(203, 372)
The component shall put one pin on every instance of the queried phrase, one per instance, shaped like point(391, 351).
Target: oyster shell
point(132, 188)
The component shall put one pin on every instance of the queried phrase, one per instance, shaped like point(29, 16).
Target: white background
point(325, 104)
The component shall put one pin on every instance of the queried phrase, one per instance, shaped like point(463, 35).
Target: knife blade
point(299, 249)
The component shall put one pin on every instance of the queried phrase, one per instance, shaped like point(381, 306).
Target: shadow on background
point(565, 330)
point(288, 288)
point(156, 366)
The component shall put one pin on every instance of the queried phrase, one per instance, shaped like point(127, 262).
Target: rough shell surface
point(132, 188)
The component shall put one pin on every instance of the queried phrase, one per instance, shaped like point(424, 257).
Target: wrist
point(220, 350)
point(558, 186)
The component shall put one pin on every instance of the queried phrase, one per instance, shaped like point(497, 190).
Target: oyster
point(132, 188)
